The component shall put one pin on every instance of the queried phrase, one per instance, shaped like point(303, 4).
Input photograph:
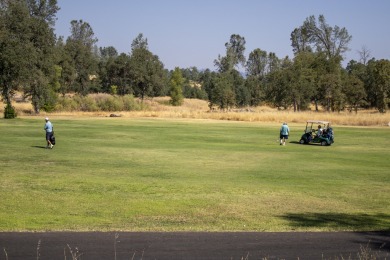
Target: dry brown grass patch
point(198, 109)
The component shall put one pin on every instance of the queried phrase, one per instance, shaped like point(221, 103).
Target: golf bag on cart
point(329, 133)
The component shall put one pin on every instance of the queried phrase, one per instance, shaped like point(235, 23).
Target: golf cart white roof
point(317, 122)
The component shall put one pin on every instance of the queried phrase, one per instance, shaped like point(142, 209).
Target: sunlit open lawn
point(190, 175)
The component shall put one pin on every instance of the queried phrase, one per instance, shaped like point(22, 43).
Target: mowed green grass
point(122, 174)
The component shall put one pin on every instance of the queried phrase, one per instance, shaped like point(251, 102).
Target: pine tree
point(176, 88)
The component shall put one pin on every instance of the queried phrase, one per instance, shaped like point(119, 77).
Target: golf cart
point(317, 132)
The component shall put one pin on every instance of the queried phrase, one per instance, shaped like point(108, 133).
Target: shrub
point(110, 103)
point(98, 102)
point(129, 103)
point(88, 104)
point(50, 101)
point(9, 111)
point(66, 104)
point(114, 90)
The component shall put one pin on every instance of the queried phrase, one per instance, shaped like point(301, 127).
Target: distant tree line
point(41, 65)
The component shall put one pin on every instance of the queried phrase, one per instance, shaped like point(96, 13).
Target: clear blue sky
point(187, 33)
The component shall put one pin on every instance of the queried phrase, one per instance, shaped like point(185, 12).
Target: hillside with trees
point(45, 67)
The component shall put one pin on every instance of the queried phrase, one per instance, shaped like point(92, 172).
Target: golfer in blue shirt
point(49, 132)
point(284, 132)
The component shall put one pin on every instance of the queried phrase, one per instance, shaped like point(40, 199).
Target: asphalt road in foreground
point(193, 245)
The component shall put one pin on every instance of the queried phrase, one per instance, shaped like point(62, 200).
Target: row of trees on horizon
point(42, 66)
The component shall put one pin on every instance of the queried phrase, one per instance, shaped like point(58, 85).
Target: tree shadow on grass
point(339, 221)
point(375, 227)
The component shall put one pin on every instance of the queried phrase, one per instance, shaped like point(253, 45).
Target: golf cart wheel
point(323, 143)
point(302, 141)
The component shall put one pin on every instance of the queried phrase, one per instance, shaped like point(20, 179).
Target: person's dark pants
point(48, 136)
point(284, 136)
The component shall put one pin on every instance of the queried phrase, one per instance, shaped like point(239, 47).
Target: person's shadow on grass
point(38, 146)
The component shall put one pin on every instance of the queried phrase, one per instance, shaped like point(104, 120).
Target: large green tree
point(16, 48)
point(331, 40)
point(108, 52)
point(80, 48)
point(328, 44)
point(68, 71)
point(276, 90)
point(193, 87)
point(260, 64)
point(114, 71)
point(106, 57)
point(147, 72)
point(355, 95)
point(234, 54)
point(381, 84)
point(191, 73)
point(303, 75)
point(140, 42)
point(222, 92)
point(256, 65)
point(300, 40)
point(330, 88)
point(255, 89)
point(207, 80)
point(227, 94)
point(44, 83)
point(354, 87)
point(274, 63)
point(27, 50)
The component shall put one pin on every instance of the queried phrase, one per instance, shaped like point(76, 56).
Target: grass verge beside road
point(190, 175)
